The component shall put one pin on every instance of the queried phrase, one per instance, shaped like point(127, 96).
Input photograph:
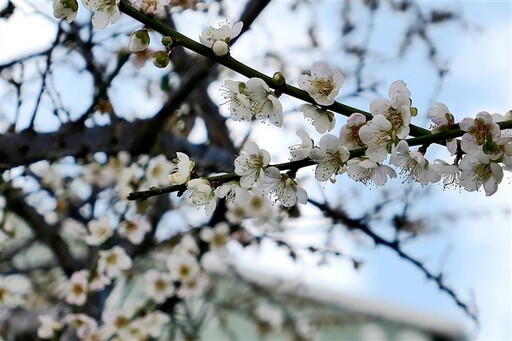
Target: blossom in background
point(182, 267)
point(365, 170)
point(65, 9)
point(481, 134)
point(13, 289)
point(331, 157)
point(135, 228)
point(105, 12)
point(157, 173)
point(194, 286)
point(159, 285)
point(99, 230)
point(322, 83)
point(218, 38)
point(376, 135)
point(202, 194)
point(443, 120)
point(397, 110)
point(98, 281)
point(264, 103)
point(115, 321)
point(154, 323)
point(84, 324)
point(113, 261)
point(349, 132)
point(414, 165)
point(78, 287)
point(475, 174)
point(323, 120)
point(301, 151)
point(180, 169)
point(233, 192)
point(151, 7)
point(187, 246)
point(49, 326)
point(235, 94)
point(284, 188)
point(250, 165)
point(217, 237)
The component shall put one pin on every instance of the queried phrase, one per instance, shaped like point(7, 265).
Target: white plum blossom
point(114, 321)
point(349, 132)
point(159, 285)
point(182, 267)
point(180, 169)
point(84, 324)
point(322, 83)
point(331, 157)
point(114, 261)
point(99, 230)
point(443, 120)
point(150, 7)
point(49, 326)
point(105, 12)
point(157, 173)
point(481, 134)
point(154, 323)
point(135, 228)
point(78, 288)
point(449, 173)
point(65, 9)
point(414, 165)
point(397, 110)
point(475, 174)
point(235, 94)
point(301, 151)
point(217, 237)
point(98, 281)
point(219, 37)
point(250, 165)
point(202, 194)
point(187, 246)
point(264, 103)
point(376, 135)
point(284, 188)
point(323, 120)
point(365, 170)
point(13, 289)
point(233, 192)
point(194, 286)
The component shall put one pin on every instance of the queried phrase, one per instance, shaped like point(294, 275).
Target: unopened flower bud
point(140, 40)
point(161, 59)
point(414, 111)
point(220, 48)
point(167, 42)
point(278, 77)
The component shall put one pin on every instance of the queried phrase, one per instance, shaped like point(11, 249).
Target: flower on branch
point(377, 136)
point(414, 164)
point(365, 170)
point(180, 169)
point(322, 83)
point(264, 103)
point(481, 134)
point(105, 12)
point(323, 120)
point(443, 120)
point(397, 110)
point(283, 188)
point(65, 9)
point(301, 151)
point(219, 37)
point(250, 165)
point(78, 287)
point(201, 193)
point(113, 261)
point(233, 192)
point(331, 157)
point(475, 173)
point(349, 132)
point(235, 94)
point(139, 40)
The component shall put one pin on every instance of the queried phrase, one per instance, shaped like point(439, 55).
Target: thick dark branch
point(46, 233)
point(359, 224)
